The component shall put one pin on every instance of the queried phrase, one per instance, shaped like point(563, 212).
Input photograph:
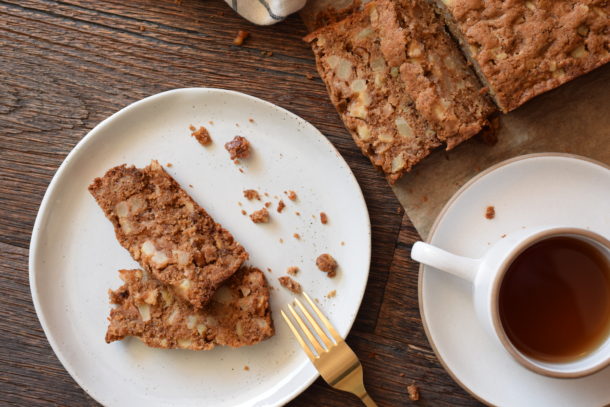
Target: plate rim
point(438, 220)
point(43, 213)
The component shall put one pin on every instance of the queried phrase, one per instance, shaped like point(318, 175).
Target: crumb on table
point(413, 391)
point(292, 270)
point(323, 218)
point(290, 284)
point(308, 76)
point(251, 194)
point(327, 264)
point(260, 216)
point(331, 294)
point(280, 206)
point(241, 37)
point(202, 135)
point(490, 212)
point(239, 147)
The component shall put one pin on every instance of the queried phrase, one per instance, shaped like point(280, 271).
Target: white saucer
point(530, 190)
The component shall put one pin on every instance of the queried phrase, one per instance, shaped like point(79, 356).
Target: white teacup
point(486, 275)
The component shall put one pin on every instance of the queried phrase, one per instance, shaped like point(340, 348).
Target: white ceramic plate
point(538, 189)
point(74, 256)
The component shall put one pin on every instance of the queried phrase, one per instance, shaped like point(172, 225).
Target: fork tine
point(325, 320)
point(298, 336)
point(315, 325)
point(305, 329)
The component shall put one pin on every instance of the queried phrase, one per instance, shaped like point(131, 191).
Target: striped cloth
point(265, 12)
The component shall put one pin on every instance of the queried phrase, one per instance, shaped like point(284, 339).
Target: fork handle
point(367, 400)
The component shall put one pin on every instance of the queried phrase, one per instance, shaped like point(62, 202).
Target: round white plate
point(537, 189)
point(74, 256)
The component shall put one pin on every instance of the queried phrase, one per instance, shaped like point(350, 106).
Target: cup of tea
point(543, 293)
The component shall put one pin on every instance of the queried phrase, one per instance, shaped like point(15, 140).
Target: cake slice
point(522, 48)
point(238, 314)
point(171, 236)
point(434, 73)
point(399, 83)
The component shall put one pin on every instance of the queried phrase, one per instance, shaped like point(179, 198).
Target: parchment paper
point(574, 118)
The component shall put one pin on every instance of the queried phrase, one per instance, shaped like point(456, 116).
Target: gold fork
point(335, 361)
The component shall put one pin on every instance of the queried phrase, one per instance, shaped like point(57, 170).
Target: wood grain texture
point(66, 65)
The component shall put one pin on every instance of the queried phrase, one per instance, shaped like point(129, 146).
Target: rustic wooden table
point(68, 64)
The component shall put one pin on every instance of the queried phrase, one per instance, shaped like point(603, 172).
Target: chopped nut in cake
point(163, 229)
point(521, 49)
point(237, 315)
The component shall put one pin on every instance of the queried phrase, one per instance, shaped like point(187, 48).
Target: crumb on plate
point(323, 218)
point(251, 194)
point(327, 264)
point(202, 135)
point(260, 216)
point(239, 147)
point(292, 270)
point(290, 284)
point(280, 206)
point(490, 212)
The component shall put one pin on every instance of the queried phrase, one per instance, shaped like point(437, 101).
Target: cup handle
point(463, 267)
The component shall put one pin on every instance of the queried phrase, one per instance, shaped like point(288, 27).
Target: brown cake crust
point(375, 79)
point(171, 236)
point(238, 314)
point(524, 48)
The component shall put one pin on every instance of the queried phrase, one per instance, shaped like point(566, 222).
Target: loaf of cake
point(522, 48)
point(172, 237)
point(399, 83)
point(237, 315)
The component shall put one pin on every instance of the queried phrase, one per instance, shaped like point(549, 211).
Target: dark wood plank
point(67, 65)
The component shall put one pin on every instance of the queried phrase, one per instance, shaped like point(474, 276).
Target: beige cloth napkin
point(265, 12)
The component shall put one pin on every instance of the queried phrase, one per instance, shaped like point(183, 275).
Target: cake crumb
point(211, 122)
point(246, 368)
point(251, 120)
point(240, 170)
point(323, 218)
point(281, 240)
point(331, 294)
point(260, 216)
point(291, 195)
point(290, 284)
point(239, 147)
point(297, 213)
point(169, 165)
point(202, 135)
point(490, 212)
point(191, 185)
point(251, 194)
point(327, 264)
point(239, 203)
point(241, 37)
point(243, 212)
point(297, 236)
point(142, 28)
point(308, 76)
point(267, 204)
point(292, 270)
point(192, 128)
point(269, 270)
point(267, 194)
point(402, 375)
point(503, 235)
point(280, 206)
point(413, 391)
point(342, 243)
